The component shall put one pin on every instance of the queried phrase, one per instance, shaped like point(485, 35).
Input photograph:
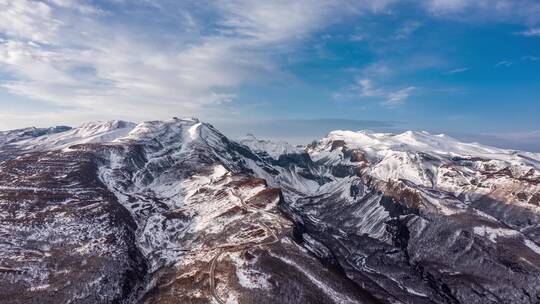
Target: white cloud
point(367, 89)
point(368, 81)
point(407, 29)
point(504, 63)
point(379, 69)
point(26, 19)
point(264, 22)
point(409, 64)
point(390, 97)
point(458, 70)
point(533, 32)
point(267, 22)
point(72, 54)
point(87, 64)
point(178, 56)
point(522, 11)
point(357, 37)
point(530, 58)
point(445, 6)
point(76, 5)
point(399, 96)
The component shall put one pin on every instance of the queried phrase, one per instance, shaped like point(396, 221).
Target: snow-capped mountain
point(175, 212)
point(461, 220)
point(269, 148)
point(7, 137)
point(436, 161)
point(92, 132)
point(12, 136)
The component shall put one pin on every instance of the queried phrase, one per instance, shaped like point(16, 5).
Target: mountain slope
point(173, 204)
point(423, 218)
point(173, 211)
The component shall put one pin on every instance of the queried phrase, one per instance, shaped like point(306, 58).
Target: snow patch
point(532, 246)
point(194, 131)
point(493, 233)
point(247, 276)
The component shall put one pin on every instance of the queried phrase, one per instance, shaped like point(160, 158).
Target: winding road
point(237, 247)
point(213, 279)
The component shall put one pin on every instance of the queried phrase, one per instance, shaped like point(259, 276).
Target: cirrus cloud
point(140, 58)
point(387, 96)
point(533, 32)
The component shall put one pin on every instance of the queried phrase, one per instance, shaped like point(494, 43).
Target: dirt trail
point(225, 248)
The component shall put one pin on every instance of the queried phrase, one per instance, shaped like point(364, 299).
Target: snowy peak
point(176, 134)
point(180, 140)
point(422, 158)
point(161, 130)
point(409, 140)
point(90, 129)
point(273, 149)
point(165, 132)
point(11, 136)
point(380, 144)
point(91, 132)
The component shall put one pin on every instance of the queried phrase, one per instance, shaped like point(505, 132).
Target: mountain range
point(175, 212)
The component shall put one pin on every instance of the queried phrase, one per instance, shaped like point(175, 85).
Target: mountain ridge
point(94, 127)
point(191, 215)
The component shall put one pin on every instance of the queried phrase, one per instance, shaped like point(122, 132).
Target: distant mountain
point(7, 137)
point(268, 148)
point(175, 212)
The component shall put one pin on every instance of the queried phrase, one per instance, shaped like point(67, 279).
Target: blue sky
point(280, 69)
